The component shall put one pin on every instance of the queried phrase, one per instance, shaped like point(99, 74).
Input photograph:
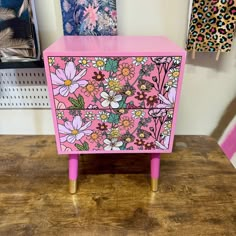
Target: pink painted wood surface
point(110, 46)
point(155, 165)
point(229, 144)
point(73, 166)
point(142, 52)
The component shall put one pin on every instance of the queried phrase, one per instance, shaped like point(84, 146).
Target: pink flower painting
point(75, 130)
point(66, 81)
point(168, 103)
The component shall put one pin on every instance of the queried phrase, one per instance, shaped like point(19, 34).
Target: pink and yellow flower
point(95, 136)
point(91, 89)
point(126, 122)
point(125, 71)
point(74, 131)
point(66, 81)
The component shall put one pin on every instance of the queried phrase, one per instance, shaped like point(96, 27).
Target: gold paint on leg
point(72, 186)
point(154, 184)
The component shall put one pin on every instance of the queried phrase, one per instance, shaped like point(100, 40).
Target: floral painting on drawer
point(114, 103)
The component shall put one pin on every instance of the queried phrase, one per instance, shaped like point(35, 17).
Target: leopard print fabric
point(212, 25)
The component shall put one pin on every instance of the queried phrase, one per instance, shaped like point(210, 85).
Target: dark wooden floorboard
point(197, 192)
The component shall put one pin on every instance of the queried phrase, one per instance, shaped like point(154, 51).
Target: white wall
point(208, 87)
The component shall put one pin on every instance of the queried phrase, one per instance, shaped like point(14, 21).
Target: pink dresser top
point(114, 46)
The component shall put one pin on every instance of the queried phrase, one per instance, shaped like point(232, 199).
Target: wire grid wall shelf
point(23, 88)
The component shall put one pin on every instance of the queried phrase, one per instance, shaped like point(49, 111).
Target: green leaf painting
point(111, 65)
point(83, 147)
point(114, 118)
point(77, 103)
point(122, 103)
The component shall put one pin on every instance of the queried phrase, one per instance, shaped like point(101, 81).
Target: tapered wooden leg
point(155, 170)
point(73, 172)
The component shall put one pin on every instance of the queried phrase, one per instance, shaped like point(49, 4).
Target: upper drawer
point(115, 82)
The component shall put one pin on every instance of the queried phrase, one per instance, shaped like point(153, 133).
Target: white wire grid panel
point(23, 88)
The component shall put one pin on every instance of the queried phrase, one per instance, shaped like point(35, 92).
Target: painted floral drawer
point(114, 129)
point(115, 82)
point(117, 94)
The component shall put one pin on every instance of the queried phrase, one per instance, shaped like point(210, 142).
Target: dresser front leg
point(73, 172)
point(155, 170)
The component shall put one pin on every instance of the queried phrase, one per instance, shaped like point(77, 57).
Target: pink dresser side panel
point(177, 99)
point(51, 98)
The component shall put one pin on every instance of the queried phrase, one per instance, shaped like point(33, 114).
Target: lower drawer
point(121, 130)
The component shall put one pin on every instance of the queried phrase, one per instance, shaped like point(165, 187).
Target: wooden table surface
point(197, 192)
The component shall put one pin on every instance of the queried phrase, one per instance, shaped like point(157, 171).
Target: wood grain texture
point(197, 192)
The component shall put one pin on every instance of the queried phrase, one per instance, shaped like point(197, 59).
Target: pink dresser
point(114, 94)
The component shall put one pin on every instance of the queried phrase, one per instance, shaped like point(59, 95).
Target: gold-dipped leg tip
point(154, 184)
point(72, 186)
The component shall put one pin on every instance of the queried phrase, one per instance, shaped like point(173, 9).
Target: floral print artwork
point(89, 17)
point(212, 25)
point(114, 103)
